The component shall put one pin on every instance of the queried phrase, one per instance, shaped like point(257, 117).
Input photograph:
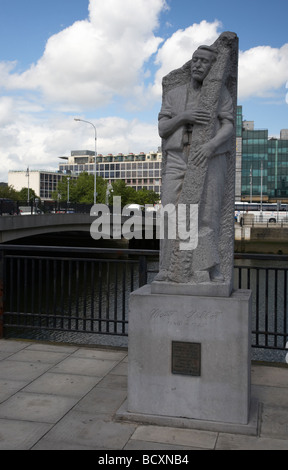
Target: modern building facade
point(262, 169)
point(42, 182)
point(140, 171)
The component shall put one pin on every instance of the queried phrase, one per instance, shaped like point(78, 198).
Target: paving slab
point(133, 444)
point(114, 381)
point(9, 388)
point(90, 430)
point(274, 422)
point(4, 355)
point(107, 354)
point(84, 366)
point(273, 376)
point(176, 436)
point(271, 395)
point(121, 369)
point(12, 346)
point(102, 400)
point(47, 444)
point(36, 407)
point(72, 404)
point(23, 371)
point(52, 347)
point(20, 435)
point(236, 442)
point(69, 385)
point(31, 355)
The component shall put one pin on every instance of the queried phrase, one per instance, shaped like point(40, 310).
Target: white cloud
point(178, 49)
point(83, 67)
point(262, 70)
point(7, 110)
point(92, 60)
point(128, 136)
point(26, 139)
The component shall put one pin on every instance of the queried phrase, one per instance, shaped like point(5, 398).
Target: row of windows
point(255, 173)
point(130, 174)
point(113, 166)
point(48, 177)
point(269, 192)
point(255, 180)
point(256, 189)
point(279, 151)
point(255, 135)
point(254, 157)
point(255, 142)
point(156, 189)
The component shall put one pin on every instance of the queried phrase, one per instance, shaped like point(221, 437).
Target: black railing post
point(1, 294)
point(142, 271)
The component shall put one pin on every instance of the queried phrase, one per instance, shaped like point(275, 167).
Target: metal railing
point(70, 289)
point(86, 290)
point(267, 277)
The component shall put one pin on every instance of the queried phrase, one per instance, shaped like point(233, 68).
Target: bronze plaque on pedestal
point(186, 358)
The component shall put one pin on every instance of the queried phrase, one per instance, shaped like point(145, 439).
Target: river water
point(269, 297)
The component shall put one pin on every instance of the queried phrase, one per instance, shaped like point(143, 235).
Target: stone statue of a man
point(197, 127)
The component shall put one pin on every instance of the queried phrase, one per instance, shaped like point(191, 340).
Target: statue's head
point(202, 61)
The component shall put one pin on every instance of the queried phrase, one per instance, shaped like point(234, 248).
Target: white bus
point(265, 212)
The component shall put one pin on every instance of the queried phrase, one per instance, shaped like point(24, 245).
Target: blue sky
point(104, 61)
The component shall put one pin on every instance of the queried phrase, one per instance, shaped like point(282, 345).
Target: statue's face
point(202, 61)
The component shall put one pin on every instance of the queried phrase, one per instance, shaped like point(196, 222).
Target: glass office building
point(254, 163)
point(264, 163)
point(261, 167)
point(277, 181)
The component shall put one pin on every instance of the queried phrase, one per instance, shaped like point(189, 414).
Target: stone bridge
point(16, 227)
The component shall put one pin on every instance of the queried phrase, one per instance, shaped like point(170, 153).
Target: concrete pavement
point(59, 397)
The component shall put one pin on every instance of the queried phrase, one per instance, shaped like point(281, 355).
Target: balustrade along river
point(81, 295)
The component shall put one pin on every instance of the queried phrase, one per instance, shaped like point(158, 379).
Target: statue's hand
point(205, 152)
point(195, 117)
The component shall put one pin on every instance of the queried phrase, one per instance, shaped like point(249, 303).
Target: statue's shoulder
point(177, 78)
point(177, 90)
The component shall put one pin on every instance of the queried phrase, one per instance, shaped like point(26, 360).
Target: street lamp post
point(95, 162)
point(251, 183)
point(68, 191)
point(28, 195)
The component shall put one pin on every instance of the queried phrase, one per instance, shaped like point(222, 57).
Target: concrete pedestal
point(189, 357)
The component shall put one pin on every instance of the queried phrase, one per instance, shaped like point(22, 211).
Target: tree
point(84, 189)
point(129, 195)
point(8, 192)
point(23, 195)
point(145, 196)
point(81, 190)
point(62, 189)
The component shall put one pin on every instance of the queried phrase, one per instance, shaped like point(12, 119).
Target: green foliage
point(8, 192)
point(145, 196)
point(81, 190)
point(131, 196)
point(23, 194)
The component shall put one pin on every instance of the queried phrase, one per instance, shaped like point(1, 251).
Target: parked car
point(27, 210)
